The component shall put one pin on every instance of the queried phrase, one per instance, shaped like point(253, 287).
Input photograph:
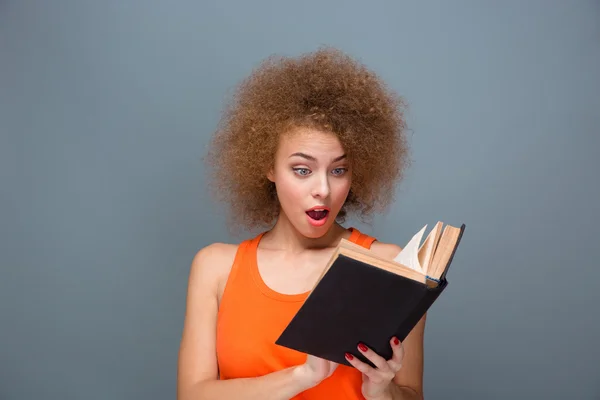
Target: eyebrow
point(311, 158)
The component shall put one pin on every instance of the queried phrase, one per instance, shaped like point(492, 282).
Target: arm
point(282, 385)
point(197, 375)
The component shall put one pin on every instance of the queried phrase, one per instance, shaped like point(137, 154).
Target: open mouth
point(318, 214)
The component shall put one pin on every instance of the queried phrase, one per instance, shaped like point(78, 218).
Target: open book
point(362, 297)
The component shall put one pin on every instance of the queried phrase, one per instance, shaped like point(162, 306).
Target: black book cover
point(356, 302)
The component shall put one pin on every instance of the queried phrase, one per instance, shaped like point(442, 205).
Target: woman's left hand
point(377, 381)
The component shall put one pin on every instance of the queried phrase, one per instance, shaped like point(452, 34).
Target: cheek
point(340, 189)
point(289, 189)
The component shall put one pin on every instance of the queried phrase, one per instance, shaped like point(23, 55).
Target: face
point(312, 176)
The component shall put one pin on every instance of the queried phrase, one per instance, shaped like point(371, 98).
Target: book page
point(446, 246)
point(427, 249)
point(409, 255)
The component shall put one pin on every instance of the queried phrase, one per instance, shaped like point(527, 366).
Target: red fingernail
point(349, 356)
point(362, 347)
point(396, 341)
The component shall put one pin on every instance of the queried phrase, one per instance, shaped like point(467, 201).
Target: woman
point(305, 141)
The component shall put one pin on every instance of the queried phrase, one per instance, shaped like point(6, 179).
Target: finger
point(332, 367)
point(375, 358)
point(395, 362)
point(364, 368)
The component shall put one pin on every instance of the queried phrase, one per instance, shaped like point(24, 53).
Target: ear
point(271, 174)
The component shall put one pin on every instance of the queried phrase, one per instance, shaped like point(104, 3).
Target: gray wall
point(105, 108)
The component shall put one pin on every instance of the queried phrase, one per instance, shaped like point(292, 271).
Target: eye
point(339, 171)
point(301, 171)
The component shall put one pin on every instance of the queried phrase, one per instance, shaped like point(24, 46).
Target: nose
point(321, 186)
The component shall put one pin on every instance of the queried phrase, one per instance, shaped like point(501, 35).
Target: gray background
point(105, 109)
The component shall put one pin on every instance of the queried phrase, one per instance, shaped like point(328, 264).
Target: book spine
point(460, 235)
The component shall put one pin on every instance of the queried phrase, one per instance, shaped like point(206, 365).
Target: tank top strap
point(360, 238)
point(242, 263)
point(239, 264)
point(239, 257)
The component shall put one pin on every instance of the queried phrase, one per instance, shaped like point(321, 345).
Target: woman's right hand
point(315, 370)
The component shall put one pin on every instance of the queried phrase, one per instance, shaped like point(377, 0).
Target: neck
point(285, 235)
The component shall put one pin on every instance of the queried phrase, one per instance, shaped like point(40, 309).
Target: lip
point(320, 222)
point(319, 208)
point(316, 223)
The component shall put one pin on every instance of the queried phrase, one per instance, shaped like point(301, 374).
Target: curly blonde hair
point(325, 90)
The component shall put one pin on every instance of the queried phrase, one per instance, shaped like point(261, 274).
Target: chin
point(314, 233)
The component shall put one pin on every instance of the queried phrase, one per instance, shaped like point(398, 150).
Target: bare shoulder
point(215, 255)
point(386, 250)
point(212, 263)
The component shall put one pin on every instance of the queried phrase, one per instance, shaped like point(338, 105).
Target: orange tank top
point(252, 316)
